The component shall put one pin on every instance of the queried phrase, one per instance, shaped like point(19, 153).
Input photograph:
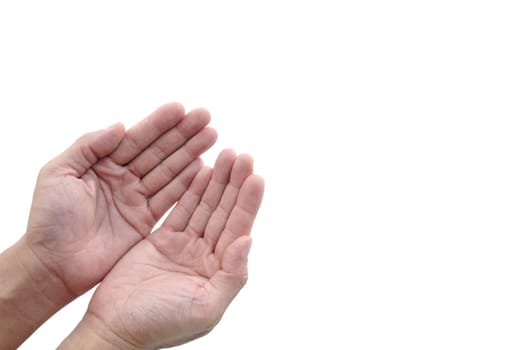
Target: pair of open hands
point(95, 206)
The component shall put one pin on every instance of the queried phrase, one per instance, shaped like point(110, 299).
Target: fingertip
point(118, 129)
point(252, 193)
point(174, 108)
point(107, 140)
point(248, 162)
point(205, 171)
point(203, 175)
point(247, 158)
point(227, 153)
point(211, 133)
point(167, 116)
point(201, 113)
point(242, 168)
point(257, 181)
point(226, 158)
point(223, 166)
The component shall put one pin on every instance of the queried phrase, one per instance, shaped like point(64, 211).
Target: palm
point(84, 218)
point(175, 285)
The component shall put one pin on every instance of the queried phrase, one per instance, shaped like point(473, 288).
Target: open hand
point(175, 285)
point(106, 192)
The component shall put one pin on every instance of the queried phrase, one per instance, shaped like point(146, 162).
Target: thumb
point(88, 149)
point(233, 274)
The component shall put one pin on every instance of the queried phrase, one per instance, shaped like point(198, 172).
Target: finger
point(87, 150)
point(243, 214)
point(167, 170)
point(169, 142)
point(232, 276)
point(212, 196)
point(147, 131)
point(171, 193)
point(179, 216)
point(242, 168)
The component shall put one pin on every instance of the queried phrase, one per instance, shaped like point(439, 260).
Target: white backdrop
point(391, 134)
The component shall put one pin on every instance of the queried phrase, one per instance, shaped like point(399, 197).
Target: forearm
point(90, 334)
point(29, 295)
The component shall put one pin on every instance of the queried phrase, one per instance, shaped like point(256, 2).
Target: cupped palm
point(175, 285)
point(105, 193)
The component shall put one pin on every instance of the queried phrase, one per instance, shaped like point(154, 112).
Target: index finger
point(141, 135)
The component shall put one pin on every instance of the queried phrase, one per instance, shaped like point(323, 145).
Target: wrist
point(29, 294)
point(92, 333)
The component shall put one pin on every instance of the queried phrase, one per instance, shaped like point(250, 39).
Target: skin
point(175, 285)
point(105, 194)
point(91, 205)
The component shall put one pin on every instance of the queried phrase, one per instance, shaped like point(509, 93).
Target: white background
point(391, 135)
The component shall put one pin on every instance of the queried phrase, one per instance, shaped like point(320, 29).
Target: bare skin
point(91, 205)
point(103, 195)
point(175, 285)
